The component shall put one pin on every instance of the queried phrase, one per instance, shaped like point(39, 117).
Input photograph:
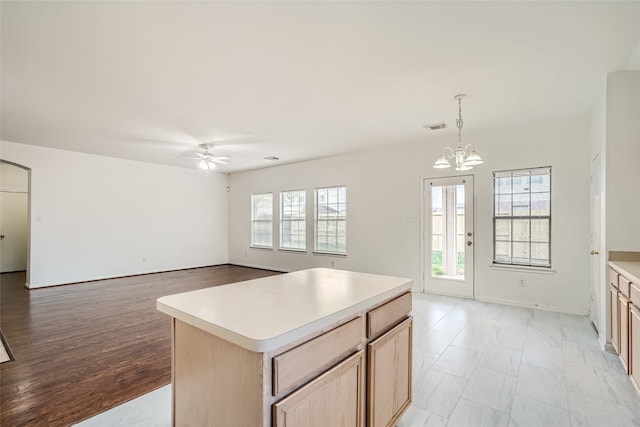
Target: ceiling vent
point(436, 126)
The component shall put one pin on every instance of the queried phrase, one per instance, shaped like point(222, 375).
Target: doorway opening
point(448, 236)
point(15, 208)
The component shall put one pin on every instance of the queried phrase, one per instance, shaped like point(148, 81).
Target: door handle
point(1, 236)
point(595, 253)
point(469, 243)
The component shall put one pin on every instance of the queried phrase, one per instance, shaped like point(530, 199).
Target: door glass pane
point(448, 231)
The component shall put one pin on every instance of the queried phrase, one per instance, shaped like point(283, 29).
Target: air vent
point(272, 158)
point(436, 126)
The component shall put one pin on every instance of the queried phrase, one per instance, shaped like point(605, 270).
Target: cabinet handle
point(595, 252)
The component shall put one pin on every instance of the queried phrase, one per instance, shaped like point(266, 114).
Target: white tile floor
point(480, 364)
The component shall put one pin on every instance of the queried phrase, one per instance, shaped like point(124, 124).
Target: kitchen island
point(314, 347)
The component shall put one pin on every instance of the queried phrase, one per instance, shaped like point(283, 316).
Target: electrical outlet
point(333, 263)
point(144, 259)
point(522, 283)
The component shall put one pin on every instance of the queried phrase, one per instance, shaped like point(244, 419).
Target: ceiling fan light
point(474, 159)
point(441, 163)
point(205, 165)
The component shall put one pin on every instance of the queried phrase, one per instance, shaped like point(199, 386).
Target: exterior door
point(448, 236)
point(597, 283)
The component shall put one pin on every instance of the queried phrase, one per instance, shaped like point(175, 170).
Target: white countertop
point(264, 314)
point(629, 269)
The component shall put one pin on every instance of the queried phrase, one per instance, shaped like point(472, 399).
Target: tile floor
point(481, 364)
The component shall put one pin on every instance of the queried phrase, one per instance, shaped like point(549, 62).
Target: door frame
point(28, 272)
point(426, 269)
point(598, 285)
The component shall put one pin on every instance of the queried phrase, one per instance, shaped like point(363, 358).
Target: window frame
point(530, 217)
point(255, 221)
point(316, 221)
point(281, 246)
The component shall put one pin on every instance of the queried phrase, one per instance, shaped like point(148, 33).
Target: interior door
point(597, 284)
point(448, 240)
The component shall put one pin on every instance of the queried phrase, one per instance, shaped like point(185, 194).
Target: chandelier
point(466, 158)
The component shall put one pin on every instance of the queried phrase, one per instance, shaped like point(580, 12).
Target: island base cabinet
point(211, 377)
point(335, 399)
point(389, 366)
point(634, 334)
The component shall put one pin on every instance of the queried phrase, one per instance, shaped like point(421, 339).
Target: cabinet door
point(614, 321)
point(623, 344)
point(335, 398)
point(389, 391)
point(634, 345)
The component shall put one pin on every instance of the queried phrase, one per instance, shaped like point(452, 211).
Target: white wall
point(96, 217)
point(622, 157)
point(383, 194)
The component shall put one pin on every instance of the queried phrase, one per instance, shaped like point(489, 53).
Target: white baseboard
point(559, 309)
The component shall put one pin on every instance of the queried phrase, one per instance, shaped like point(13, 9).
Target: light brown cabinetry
point(623, 347)
point(634, 335)
point(625, 323)
point(614, 320)
point(335, 398)
point(353, 373)
point(389, 391)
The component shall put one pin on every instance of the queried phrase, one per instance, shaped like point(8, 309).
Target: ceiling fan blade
point(219, 161)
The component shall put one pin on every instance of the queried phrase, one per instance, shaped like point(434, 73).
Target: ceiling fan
point(207, 161)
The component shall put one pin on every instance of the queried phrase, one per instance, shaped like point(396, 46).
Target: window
point(293, 217)
point(331, 220)
point(522, 217)
point(262, 220)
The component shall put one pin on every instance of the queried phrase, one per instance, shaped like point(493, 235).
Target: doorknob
point(469, 243)
point(1, 236)
point(595, 252)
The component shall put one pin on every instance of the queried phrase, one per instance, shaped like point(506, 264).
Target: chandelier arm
point(469, 147)
point(451, 154)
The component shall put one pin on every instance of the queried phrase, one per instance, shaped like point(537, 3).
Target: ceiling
point(150, 81)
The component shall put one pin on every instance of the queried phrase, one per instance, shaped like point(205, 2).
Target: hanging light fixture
point(466, 158)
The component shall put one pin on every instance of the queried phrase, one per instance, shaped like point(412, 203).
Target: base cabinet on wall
point(625, 317)
point(623, 345)
point(634, 361)
point(614, 319)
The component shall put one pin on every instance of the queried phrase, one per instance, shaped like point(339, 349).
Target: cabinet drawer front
point(625, 286)
point(336, 398)
point(613, 277)
point(635, 294)
point(388, 315)
point(310, 358)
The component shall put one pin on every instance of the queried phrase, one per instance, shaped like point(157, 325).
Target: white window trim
point(543, 269)
point(315, 224)
point(252, 245)
point(306, 221)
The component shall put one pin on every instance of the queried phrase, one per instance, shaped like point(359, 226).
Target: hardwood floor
point(84, 348)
